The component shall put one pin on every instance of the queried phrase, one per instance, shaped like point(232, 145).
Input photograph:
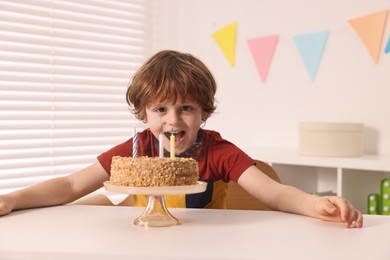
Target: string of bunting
point(369, 28)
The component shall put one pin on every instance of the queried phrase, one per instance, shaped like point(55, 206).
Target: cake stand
point(156, 213)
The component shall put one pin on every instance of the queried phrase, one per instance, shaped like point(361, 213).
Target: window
point(64, 69)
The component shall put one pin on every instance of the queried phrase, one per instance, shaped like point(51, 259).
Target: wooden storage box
point(331, 139)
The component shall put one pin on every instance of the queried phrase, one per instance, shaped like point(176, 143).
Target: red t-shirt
point(219, 161)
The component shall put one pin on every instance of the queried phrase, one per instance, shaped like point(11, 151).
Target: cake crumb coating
point(153, 171)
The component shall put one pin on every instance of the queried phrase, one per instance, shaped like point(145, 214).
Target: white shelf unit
point(350, 177)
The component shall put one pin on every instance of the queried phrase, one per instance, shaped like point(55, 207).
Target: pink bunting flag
point(263, 50)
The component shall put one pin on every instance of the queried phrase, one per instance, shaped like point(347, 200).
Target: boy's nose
point(172, 118)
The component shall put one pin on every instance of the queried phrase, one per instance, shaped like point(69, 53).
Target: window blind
point(64, 69)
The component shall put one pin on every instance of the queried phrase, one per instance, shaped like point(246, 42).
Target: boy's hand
point(333, 208)
point(4, 209)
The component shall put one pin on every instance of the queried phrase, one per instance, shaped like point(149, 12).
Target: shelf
point(292, 157)
point(351, 177)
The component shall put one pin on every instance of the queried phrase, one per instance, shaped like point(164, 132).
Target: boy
point(175, 92)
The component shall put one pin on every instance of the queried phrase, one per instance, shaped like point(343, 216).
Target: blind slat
point(64, 69)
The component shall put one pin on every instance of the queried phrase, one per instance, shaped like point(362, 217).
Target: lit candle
point(172, 151)
point(135, 144)
point(161, 144)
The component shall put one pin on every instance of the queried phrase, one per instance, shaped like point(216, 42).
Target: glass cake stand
point(156, 213)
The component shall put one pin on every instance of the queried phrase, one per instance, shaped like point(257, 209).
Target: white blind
point(64, 69)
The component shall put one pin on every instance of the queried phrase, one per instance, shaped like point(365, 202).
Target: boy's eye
point(186, 108)
point(160, 109)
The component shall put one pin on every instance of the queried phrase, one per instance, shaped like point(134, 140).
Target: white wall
point(348, 87)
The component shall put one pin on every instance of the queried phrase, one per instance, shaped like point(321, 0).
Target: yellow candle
point(172, 151)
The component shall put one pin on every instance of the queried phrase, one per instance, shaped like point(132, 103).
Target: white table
point(104, 232)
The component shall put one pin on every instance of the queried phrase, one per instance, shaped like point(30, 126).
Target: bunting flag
point(262, 50)
point(387, 50)
point(370, 29)
point(311, 47)
point(226, 40)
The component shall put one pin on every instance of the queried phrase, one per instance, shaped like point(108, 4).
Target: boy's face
point(183, 119)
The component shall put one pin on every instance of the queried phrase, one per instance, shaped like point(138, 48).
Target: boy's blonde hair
point(171, 76)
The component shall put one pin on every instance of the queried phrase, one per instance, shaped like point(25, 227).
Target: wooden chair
point(238, 198)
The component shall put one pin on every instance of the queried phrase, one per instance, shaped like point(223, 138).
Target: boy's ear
point(204, 116)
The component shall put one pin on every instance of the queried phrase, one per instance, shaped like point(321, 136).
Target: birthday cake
point(153, 171)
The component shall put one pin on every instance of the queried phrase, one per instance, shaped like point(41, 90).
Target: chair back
point(238, 198)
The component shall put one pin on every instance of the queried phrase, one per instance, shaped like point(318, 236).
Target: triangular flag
point(370, 29)
point(311, 47)
point(387, 50)
point(262, 50)
point(226, 40)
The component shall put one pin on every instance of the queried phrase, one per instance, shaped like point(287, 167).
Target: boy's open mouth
point(178, 135)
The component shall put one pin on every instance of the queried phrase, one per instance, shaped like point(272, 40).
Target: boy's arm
point(290, 199)
point(56, 191)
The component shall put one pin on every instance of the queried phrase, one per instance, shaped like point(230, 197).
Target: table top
point(108, 232)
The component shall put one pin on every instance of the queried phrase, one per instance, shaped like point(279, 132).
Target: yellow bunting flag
point(370, 29)
point(226, 40)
